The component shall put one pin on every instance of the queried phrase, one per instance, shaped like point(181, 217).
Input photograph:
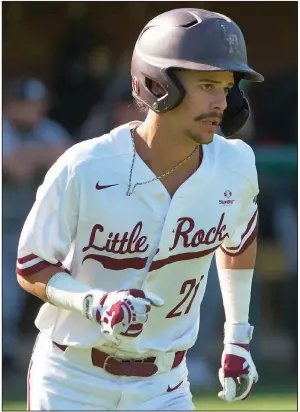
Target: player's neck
point(161, 145)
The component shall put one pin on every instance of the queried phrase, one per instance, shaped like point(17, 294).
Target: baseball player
point(124, 227)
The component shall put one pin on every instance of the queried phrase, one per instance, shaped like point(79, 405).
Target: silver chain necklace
point(130, 187)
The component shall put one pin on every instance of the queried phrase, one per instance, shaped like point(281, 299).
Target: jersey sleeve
point(247, 222)
point(51, 225)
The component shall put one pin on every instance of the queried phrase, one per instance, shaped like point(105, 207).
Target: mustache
point(205, 116)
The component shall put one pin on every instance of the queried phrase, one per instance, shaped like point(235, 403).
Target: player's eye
point(206, 86)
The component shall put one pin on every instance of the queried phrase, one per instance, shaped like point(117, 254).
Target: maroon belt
point(132, 367)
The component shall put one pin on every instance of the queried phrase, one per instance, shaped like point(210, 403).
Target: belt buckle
point(106, 360)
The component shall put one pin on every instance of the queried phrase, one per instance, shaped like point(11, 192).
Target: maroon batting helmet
point(190, 39)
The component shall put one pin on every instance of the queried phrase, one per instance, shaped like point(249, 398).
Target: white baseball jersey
point(82, 219)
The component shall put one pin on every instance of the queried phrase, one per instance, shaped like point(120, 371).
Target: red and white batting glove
point(238, 373)
point(122, 312)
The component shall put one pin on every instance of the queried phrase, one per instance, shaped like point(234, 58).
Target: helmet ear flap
point(175, 91)
point(155, 88)
point(161, 94)
point(175, 85)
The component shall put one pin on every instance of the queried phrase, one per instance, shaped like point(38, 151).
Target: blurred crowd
point(90, 93)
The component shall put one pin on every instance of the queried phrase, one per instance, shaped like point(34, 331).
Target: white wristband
point(236, 292)
point(238, 333)
point(65, 292)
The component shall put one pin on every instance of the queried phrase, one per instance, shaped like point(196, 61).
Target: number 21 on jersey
point(189, 289)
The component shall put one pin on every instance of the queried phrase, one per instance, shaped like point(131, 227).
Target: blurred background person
point(31, 143)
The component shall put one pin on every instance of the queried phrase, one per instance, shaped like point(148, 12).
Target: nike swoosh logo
point(175, 387)
point(99, 187)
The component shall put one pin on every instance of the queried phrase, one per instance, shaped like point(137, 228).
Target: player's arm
point(236, 257)
point(36, 283)
point(243, 260)
point(235, 262)
point(237, 373)
point(235, 276)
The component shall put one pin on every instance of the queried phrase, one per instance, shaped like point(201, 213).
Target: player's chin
point(203, 137)
point(206, 137)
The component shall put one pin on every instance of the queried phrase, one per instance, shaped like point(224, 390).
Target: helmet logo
point(155, 106)
point(232, 43)
point(136, 86)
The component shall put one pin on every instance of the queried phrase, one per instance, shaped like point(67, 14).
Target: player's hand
point(238, 374)
point(237, 112)
point(123, 312)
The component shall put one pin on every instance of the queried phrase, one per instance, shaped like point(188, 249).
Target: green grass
point(259, 402)
point(256, 402)
point(14, 405)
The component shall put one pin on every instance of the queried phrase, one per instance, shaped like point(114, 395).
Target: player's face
point(201, 111)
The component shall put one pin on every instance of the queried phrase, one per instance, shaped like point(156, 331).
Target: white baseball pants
point(59, 380)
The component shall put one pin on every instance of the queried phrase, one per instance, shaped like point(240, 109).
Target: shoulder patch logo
point(228, 201)
point(227, 194)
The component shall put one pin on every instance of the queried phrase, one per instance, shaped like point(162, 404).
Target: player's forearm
point(36, 283)
point(235, 276)
point(57, 287)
